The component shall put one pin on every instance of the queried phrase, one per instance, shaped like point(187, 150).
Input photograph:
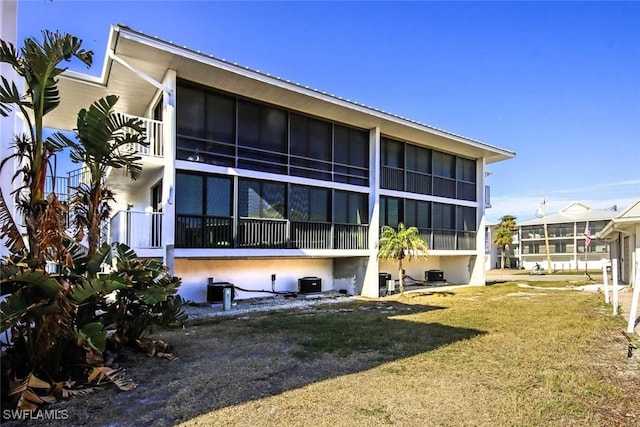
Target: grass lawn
point(480, 356)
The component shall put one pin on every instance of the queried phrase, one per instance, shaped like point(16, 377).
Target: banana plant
point(38, 65)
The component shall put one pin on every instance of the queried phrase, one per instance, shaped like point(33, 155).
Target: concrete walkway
point(625, 295)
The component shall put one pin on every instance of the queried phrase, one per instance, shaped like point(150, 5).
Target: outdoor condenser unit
point(307, 285)
point(215, 290)
point(434, 276)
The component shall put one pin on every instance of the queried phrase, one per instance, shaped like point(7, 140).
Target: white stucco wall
point(254, 274)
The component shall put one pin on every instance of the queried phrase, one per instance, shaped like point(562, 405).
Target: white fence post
point(634, 303)
point(614, 279)
point(605, 279)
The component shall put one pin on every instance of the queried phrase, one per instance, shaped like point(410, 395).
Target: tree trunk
point(401, 278)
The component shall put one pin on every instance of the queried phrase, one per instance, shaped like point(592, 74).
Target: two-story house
point(249, 177)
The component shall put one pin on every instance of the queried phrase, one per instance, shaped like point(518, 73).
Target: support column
point(370, 286)
point(477, 273)
point(169, 172)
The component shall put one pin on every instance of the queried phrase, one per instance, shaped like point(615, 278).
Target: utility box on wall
point(308, 285)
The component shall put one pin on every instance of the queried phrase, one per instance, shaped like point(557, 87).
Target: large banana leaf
point(101, 285)
point(16, 306)
point(102, 255)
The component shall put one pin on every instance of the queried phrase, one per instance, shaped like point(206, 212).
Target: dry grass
point(496, 355)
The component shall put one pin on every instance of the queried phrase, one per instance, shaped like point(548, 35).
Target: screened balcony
point(200, 231)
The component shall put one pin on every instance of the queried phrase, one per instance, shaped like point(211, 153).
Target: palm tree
point(504, 236)
point(105, 139)
point(38, 64)
point(400, 244)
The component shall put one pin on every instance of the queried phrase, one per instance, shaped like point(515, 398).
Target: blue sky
point(556, 82)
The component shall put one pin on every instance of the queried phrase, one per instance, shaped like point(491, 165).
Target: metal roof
point(153, 57)
point(574, 212)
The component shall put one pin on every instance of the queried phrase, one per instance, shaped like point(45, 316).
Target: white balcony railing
point(153, 133)
point(137, 229)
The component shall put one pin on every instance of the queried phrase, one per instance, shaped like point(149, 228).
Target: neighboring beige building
point(249, 177)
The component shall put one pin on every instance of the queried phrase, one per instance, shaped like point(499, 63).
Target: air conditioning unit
point(434, 276)
point(308, 285)
point(215, 290)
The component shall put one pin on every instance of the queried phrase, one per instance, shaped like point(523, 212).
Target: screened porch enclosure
point(215, 211)
point(254, 233)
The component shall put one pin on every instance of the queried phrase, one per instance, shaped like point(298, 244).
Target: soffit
point(153, 57)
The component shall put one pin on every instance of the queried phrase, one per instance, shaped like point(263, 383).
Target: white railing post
point(605, 278)
point(634, 302)
point(614, 280)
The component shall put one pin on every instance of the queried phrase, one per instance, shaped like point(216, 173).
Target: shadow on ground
point(228, 361)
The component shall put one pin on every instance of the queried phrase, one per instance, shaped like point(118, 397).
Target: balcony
point(136, 229)
point(449, 240)
point(200, 231)
point(153, 138)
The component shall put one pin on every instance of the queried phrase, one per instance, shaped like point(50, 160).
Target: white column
point(370, 286)
point(477, 273)
point(169, 172)
point(9, 126)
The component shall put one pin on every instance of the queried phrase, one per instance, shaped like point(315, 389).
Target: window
point(262, 127)
point(309, 204)
point(443, 216)
point(417, 214)
point(418, 159)
point(466, 170)
point(200, 195)
point(218, 196)
point(444, 165)
point(261, 199)
point(351, 155)
point(188, 197)
point(391, 211)
point(392, 153)
point(350, 208)
point(465, 218)
point(310, 147)
point(221, 118)
point(190, 112)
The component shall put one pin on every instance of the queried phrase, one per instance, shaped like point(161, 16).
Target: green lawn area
point(480, 356)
